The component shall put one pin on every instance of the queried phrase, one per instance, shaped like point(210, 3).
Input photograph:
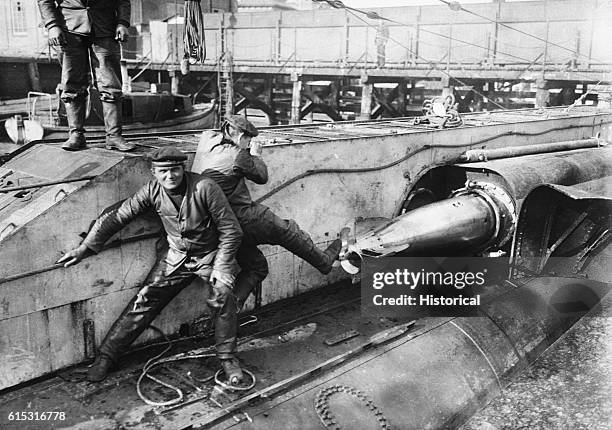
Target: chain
point(327, 418)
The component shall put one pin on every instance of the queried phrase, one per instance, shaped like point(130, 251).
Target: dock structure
point(345, 64)
point(348, 64)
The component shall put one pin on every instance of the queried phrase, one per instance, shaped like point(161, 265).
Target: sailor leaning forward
point(203, 236)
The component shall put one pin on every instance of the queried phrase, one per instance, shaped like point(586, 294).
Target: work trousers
point(154, 296)
point(104, 54)
point(262, 226)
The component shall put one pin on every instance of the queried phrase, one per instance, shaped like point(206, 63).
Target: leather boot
point(232, 370)
point(299, 242)
point(75, 113)
point(112, 123)
point(225, 319)
point(99, 369)
point(135, 318)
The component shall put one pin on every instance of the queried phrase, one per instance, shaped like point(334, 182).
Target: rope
point(194, 44)
point(156, 361)
point(231, 387)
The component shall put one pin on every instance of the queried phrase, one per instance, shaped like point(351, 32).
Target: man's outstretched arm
point(107, 225)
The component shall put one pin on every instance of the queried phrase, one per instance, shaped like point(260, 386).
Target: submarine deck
point(349, 130)
point(567, 387)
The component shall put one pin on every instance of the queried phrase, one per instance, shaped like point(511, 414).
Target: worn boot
point(112, 123)
point(299, 242)
point(99, 369)
point(233, 371)
point(226, 326)
point(134, 319)
point(75, 113)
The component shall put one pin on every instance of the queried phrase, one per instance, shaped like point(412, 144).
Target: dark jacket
point(205, 222)
point(98, 18)
point(228, 165)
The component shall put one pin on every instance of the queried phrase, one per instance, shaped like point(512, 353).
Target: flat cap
point(168, 156)
point(242, 124)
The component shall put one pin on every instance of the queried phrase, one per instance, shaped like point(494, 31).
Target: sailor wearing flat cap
point(230, 158)
point(168, 155)
point(203, 237)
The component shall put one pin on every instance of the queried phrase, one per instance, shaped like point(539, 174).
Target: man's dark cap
point(167, 156)
point(242, 124)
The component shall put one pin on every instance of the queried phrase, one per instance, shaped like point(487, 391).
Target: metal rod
point(46, 184)
point(54, 266)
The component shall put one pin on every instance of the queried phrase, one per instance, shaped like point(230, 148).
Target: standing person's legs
point(135, 318)
point(107, 69)
point(75, 82)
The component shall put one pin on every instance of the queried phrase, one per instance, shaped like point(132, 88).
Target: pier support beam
point(401, 96)
point(174, 81)
point(34, 76)
point(366, 98)
point(542, 95)
point(295, 99)
point(447, 87)
point(268, 97)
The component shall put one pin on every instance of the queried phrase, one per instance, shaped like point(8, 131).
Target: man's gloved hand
point(121, 33)
point(225, 278)
point(220, 292)
point(57, 36)
point(74, 256)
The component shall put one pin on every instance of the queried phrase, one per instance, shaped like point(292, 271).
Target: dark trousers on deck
point(261, 226)
point(105, 58)
point(153, 297)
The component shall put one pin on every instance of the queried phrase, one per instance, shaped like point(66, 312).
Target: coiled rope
point(157, 360)
point(194, 43)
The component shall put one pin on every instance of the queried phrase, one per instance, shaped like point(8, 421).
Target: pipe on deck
point(474, 155)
